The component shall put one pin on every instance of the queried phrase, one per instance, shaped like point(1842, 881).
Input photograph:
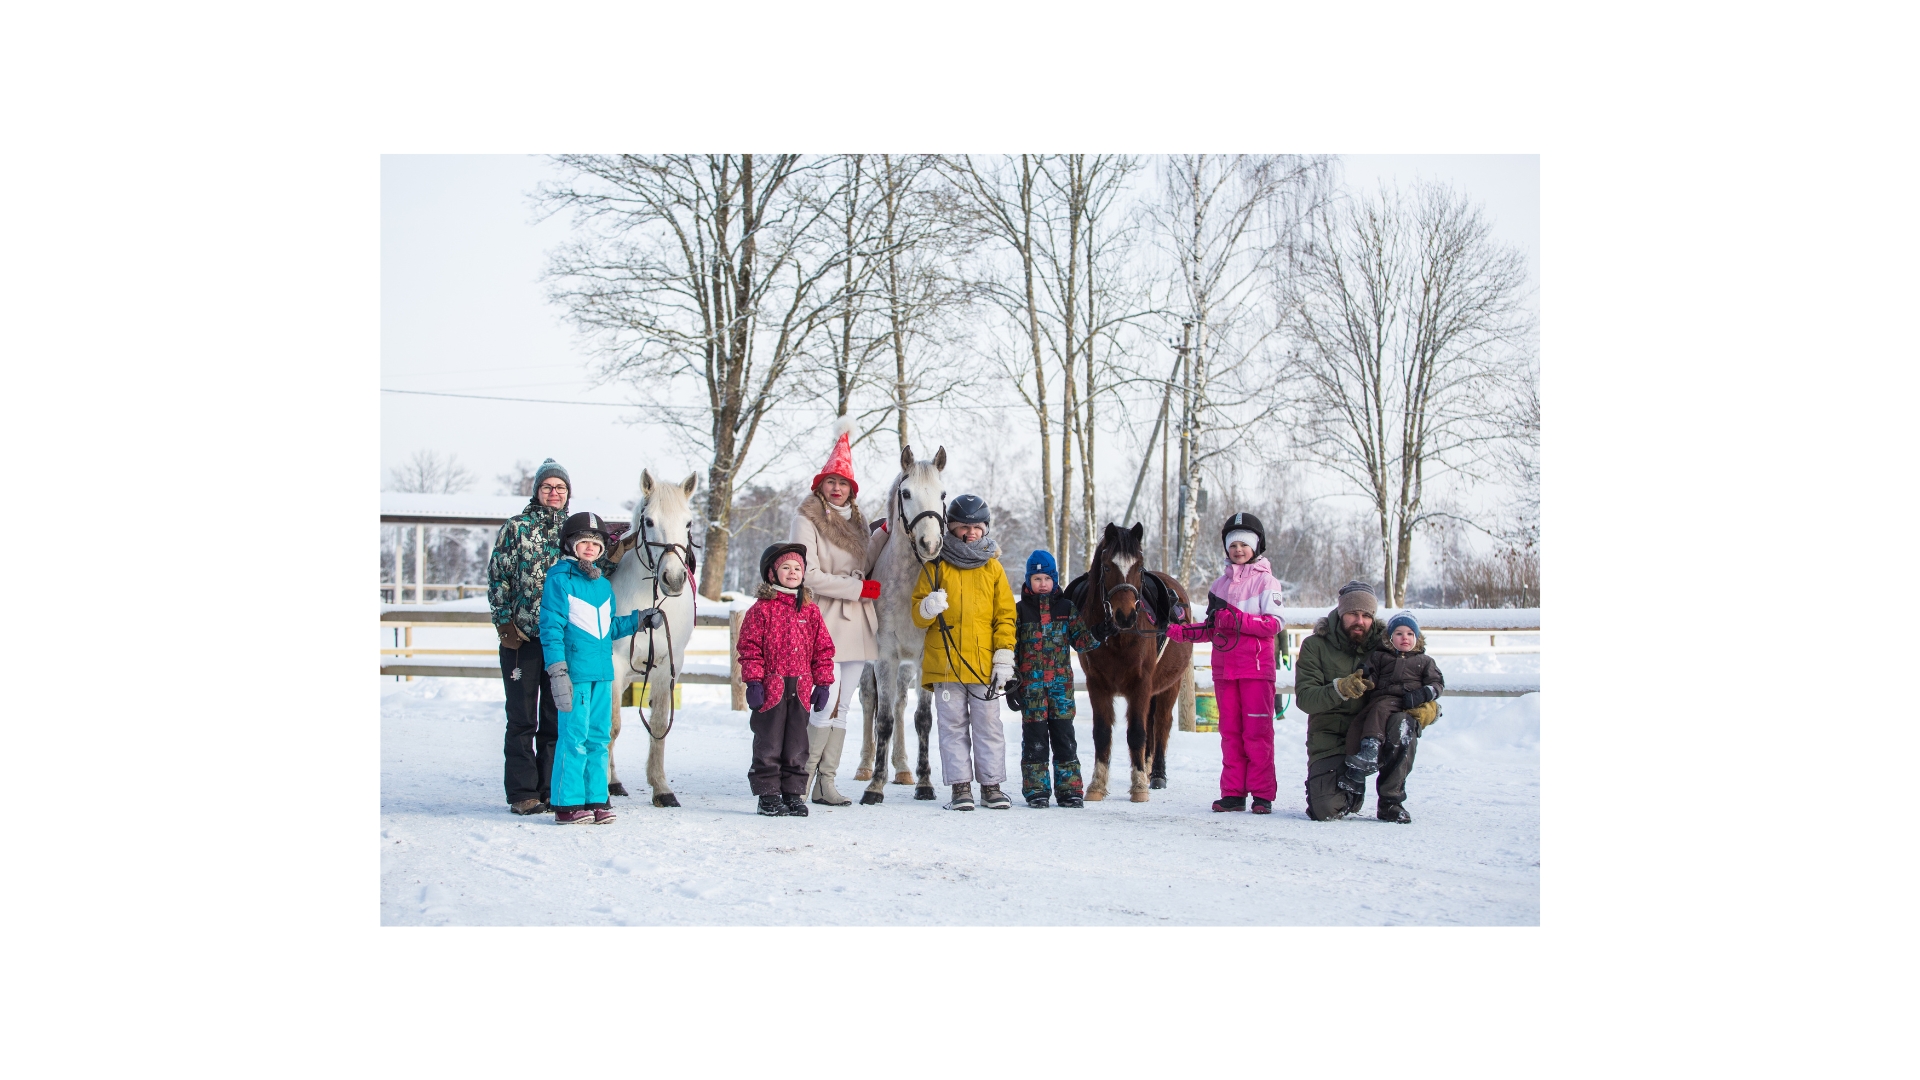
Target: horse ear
point(940, 459)
point(906, 457)
point(646, 482)
point(1138, 530)
point(693, 481)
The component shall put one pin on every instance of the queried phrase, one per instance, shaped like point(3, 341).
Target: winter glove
point(1352, 685)
point(756, 696)
point(869, 590)
point(511, 637)
point(819, 697)
point(1413, 698)
point(934, 604)
point(560, 686)
point(651, 618)
point(1425, 714)
point(1224, 619)
point(1016, 695)
point(1002, 667)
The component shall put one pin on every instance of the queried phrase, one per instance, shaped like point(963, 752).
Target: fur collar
point(849, 533)
point(801, 596)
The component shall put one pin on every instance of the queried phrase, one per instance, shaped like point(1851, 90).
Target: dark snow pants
point(533, 723)
point(1373, 722)
point(1326, 802)
point(780, 744)
point(1036, 736)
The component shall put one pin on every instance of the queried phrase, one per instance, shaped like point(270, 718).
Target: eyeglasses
point(545, 488)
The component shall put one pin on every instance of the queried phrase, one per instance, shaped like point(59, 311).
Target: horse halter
point(1099, 575)
point(906, 527)
point(652, 551)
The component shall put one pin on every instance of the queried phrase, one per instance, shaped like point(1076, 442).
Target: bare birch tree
point(706, 267)
point(1227, 222)
point(1409, 323)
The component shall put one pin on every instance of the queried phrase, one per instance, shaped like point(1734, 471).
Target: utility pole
point(1146, 457)
point(1186, 449)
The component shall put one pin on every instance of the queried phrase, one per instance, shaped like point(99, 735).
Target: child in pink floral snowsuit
point(1243, 618)
point(786, 660)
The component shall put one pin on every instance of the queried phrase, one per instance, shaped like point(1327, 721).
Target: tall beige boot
point(816, 745)
point(824, 792)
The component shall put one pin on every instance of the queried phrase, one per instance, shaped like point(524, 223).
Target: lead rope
point(946, 642)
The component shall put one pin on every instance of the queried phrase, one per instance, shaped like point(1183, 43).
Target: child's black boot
point(1068, 789)
point(771, 806)
point(796, 805)
point(1360, 766)
point(1033, 785)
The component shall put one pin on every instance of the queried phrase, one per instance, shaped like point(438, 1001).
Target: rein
point(651, 553)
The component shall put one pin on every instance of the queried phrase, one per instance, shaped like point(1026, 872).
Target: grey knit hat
point(1357, 595)
point(548, 468)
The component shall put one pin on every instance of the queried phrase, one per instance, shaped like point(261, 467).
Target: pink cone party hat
point(840, 461)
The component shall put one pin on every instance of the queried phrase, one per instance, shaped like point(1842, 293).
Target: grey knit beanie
point(1405, 619)
point(1357, 595)
point(548, 468)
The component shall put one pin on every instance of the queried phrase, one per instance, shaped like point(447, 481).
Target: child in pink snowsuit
point(1243, 618)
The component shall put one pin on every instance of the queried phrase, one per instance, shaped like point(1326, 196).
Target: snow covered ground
point(451, 854)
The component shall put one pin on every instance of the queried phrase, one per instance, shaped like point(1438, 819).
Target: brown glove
point(1426, 713)
point(1352, 685)
point(511, 637)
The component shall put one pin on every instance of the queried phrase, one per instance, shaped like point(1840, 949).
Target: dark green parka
point(1326, 656)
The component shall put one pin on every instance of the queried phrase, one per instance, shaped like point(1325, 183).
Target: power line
point(536, 401)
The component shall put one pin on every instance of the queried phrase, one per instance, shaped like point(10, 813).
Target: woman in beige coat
point(840, 555)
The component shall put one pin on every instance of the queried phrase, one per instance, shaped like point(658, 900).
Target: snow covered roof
point(413, 507)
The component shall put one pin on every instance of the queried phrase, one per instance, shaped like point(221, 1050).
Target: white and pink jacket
point(1245, 649)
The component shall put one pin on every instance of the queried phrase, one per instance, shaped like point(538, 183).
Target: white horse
point(655, 570)
point(916, 528)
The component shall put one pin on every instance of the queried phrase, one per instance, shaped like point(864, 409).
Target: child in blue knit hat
point(1406, 684)
point(1045, 628)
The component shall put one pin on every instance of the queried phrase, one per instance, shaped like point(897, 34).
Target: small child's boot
point(1033, 784)
point(772, 806)
point(993, 798)
point(1360, 766)
point(962, 797)
point(1067, 788)
point(1228, 804)
point(796, 805)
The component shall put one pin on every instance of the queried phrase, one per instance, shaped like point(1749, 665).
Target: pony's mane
point(1119, 541)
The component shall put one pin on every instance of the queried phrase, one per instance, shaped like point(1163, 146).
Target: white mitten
point(934, 604)
point(1002, 666)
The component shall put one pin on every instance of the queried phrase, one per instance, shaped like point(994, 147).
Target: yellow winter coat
point(979, 614)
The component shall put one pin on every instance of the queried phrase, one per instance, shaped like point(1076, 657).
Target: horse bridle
point(646, 547)
point(1099, 572)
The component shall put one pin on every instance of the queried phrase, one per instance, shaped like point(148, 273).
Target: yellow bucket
point(1206, 710)
point(637, 695)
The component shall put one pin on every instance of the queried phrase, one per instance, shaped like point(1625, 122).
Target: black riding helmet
point(969, 510)
point(1249, 523)
point(773, 553)
point(585, 523)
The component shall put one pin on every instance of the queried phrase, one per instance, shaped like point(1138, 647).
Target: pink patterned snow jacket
point(1242, 638)
point(782, 635)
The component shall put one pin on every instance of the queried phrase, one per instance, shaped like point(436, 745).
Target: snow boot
point(529, 806)
point(994, 798)
point(824, 792)
point(1229, 803)
point(1262, 806)
point(796, 805)
point(1033, 783)
point(771, 806)
point(573, 817)
point(1359, 767)
point(1067, 788)
point(604, 817)
point(962, 797)
point(1395, 813)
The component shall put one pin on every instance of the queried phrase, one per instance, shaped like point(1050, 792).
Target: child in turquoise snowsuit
point(1045, 628)
point(577, 628)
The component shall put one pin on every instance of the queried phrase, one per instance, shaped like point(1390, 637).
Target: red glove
point(869, 590)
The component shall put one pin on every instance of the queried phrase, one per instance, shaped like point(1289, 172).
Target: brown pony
point(1138, 662)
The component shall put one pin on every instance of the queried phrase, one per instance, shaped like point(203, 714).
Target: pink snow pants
point(1246, 737)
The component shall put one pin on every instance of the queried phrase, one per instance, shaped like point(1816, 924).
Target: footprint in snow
point(436, 900)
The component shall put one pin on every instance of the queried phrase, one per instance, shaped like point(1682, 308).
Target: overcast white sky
point(463, 311)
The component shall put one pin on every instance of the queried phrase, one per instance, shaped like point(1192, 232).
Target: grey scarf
point(964, 556)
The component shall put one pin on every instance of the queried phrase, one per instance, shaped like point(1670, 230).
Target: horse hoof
point(872, 798)
point(863, 774)
point(616, 789)
point(903, 778)
point(923, 793)
point(1096, 796)
point(665, 798)
point(1137, 796)
point(1157, 783)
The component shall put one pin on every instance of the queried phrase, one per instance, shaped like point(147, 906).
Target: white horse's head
point(919, 505)
point(663, 530)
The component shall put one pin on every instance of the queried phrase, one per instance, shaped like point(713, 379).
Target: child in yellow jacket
point(964, 603)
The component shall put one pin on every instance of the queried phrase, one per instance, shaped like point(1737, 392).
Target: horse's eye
point(906, 495)
point(649, 522)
